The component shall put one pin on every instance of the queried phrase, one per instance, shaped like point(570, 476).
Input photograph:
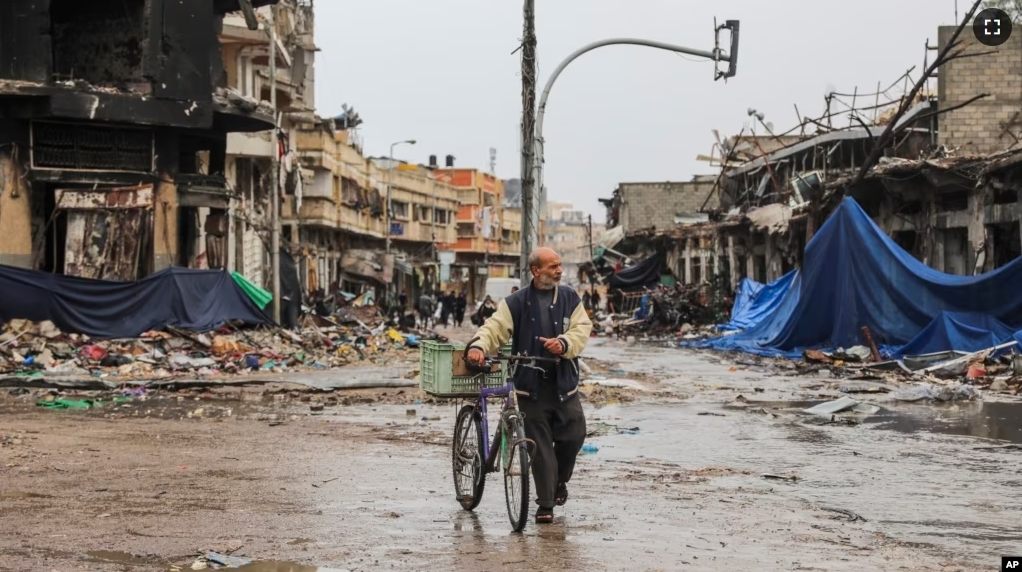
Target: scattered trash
point(589, 449)
point(853, 354)
point(930, 392)
point(792, 478)
point(228, 561)
point(845, 404)
point(349, 335)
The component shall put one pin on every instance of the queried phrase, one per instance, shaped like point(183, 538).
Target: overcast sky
point(442, 72)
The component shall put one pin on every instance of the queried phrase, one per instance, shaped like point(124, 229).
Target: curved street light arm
point(716, 55)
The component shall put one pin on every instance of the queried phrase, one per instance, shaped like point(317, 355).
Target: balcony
point(360, 222)
point(423, 232)
point(318, 150)
point(318, 211)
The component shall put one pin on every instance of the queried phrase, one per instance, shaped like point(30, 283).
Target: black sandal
point(544, 515)
point(561, 496)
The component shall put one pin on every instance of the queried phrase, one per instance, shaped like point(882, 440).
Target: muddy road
point(364, 483)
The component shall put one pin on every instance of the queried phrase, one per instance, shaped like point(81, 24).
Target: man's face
point(548, 273)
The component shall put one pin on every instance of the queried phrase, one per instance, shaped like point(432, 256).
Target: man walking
point(426, 309)
point(544, 320)
point(460, 305)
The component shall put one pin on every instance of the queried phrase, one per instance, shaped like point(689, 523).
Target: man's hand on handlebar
point(475, 356)
point(552, 345)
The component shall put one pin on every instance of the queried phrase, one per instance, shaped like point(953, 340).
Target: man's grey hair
point(534, 260)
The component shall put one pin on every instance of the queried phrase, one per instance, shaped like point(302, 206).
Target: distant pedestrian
point(426, 309)
point(460, 305)
point(446, 307)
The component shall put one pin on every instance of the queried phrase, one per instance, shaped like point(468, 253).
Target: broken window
point(956, 246)
point(697, 270)
point(91, 147)
point(760, 268)
point(399, 209)
point(1005, 196)
point(99, 42)
point(954, 201)
point(422, 214)
point(1007, 243)
point(349, 191)
point(466, 229)
point(907, 240)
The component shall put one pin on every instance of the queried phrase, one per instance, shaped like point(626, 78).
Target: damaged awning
point(370, 264)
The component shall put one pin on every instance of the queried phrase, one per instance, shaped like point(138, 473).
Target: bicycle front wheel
point(467, 458)
point(515, 454)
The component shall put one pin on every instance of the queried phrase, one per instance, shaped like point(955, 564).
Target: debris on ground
point(933, 392)
point(843, 405)
point(33, 351)
point(685, 311)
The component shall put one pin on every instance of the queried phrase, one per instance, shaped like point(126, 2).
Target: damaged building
point(945, 188)
point(114, 119)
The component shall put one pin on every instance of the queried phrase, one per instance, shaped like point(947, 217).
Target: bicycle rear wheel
point(515, 453)
point(467, 458)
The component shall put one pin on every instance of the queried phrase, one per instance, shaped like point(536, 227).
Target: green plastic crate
point(436, 362)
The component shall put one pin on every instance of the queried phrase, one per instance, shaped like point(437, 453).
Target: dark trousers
point(559, 429)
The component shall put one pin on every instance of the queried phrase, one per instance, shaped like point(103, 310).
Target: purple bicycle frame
point(483, 394)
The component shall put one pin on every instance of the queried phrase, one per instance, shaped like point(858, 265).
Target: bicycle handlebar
point(527, 361)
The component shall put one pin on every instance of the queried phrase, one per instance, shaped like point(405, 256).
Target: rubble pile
point(37, 350)
point(682, 310)
point(944, 376)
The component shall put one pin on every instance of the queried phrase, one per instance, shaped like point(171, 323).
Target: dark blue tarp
point(957, 331)
point(854, 275)
point(634, 277)
point(756, 301)
point(197, 300)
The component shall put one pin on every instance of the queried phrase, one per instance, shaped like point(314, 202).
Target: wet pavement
point(677, 482)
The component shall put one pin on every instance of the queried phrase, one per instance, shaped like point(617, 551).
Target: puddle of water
point(1001, 421)
point(985, 420)
point(915, 472)
point(13, 495)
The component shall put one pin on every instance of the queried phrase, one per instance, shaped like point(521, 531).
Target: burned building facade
point(944, 188)
point(113, 134)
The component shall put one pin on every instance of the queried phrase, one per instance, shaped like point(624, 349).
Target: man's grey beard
point(545, 283)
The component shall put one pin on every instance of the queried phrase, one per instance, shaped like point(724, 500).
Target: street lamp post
point(390, 177)
point(717, 55)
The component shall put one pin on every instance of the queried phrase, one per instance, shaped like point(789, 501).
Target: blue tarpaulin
point(854, 275)
point(756, 301)
point(198, 300)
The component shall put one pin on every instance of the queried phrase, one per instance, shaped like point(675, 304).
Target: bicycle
point(512, 457)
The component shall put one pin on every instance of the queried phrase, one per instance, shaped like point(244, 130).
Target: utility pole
point(274, 173)
point(530, 195)
point(436, 221)
point(592, 284)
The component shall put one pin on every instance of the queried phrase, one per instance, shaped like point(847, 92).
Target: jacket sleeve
point(495, 332)
point(577, 335)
